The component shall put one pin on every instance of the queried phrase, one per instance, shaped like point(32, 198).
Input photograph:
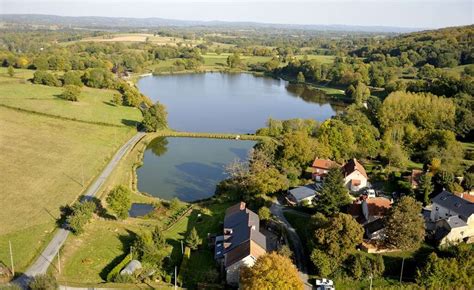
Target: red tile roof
point(323, 163)
point(378, 206)
point(353, 165)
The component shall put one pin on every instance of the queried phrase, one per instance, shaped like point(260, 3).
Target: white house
point(454, 218)
point(355, 177)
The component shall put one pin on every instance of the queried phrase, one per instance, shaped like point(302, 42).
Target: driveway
point(42, 263)
point(298, 250)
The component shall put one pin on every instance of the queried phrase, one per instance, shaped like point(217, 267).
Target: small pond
point(187, 168)
point(140, 209)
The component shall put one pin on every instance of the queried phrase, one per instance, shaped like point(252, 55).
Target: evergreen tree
point(426, 187)
point(333, 194)
point(193, 240)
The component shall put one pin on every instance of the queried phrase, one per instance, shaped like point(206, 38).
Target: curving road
point(42, 263)
point(298, 250)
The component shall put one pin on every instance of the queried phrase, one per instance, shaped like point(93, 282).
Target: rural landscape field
point(284, 150)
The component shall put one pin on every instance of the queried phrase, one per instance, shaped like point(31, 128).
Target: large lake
point(187, 168)
point(232, 103)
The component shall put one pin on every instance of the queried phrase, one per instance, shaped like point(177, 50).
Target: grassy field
point(94, 105)
point(87, 259)
point(46, 162)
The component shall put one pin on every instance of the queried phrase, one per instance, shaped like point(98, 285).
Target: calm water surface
point(232, 103)
point(187, 168)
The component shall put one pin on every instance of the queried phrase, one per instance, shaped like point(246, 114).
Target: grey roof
point(245, 225)
point(131, 267)
point(455, 222)
point(455, 204)
point(302, 192)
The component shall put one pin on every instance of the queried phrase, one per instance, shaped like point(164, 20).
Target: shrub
point(71, 93)
point(81, 214)
point(45, 78)
point(116, 270)
point(43, 282)
point(119, 200)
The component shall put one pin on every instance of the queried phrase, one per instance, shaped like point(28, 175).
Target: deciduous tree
point(119, 200)
point(404, 225)
point(271, 271)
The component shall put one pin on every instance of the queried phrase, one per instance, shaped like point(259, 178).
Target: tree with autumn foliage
point(271, 271)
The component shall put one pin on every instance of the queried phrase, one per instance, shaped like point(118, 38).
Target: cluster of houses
point(355, 179)
point(449, 219)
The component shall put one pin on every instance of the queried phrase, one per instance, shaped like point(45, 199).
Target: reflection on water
point(187, 168)
point(234, 103)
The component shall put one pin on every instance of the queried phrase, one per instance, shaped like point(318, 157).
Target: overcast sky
point(400, 13)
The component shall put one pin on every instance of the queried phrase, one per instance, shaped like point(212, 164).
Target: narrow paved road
point(298, 250)
point(40, 266)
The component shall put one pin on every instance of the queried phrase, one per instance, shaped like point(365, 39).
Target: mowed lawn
point(94, 105)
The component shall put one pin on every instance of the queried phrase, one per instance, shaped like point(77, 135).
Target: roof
point(455, 222)
point(353, 165)
point(374, 226)
point(455, 204)
point(466, 196)
point(376, 206)
point(245, 249)
point(302, 192)
point(131, 267)
point(323, 163)
point(242, 235)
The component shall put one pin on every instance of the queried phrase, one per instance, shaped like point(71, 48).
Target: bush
point(72, 78)
point(116, 270)
point(45, 78)
point(81, 214)
point(71, 93)
point(43, 282)
point(119, 200)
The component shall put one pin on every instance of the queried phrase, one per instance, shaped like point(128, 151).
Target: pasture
point(46, 162)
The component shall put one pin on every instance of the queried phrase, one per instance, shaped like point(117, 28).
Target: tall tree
point(334, 240)
point(271, 271)
point(426, 187)
point(119, 200)
point(154, 118)
point(300, 78)
point(333, 194)
point(405, 227)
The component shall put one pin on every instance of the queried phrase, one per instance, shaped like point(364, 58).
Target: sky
point(396, 13)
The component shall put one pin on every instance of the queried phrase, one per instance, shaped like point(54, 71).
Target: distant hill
point(125, 22)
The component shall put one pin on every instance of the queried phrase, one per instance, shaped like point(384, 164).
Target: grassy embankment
point(47, 159)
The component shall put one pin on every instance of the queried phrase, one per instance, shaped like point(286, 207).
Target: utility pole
point(401, 271)
point(182, 250)
point(370, 287)
point(59, 262)
point(175, 277)
point(11, 258)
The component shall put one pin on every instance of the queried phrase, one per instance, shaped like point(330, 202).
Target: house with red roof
point(320, 168)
